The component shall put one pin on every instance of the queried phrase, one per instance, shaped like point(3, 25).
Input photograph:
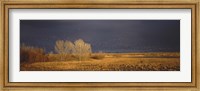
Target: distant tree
point(82, 49)
point(69, 47)
point(79, 48)
point(60, 47)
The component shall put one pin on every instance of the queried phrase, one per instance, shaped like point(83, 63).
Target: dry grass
point(113, 62)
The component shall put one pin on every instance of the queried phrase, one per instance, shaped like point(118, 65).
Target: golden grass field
point(112, 62)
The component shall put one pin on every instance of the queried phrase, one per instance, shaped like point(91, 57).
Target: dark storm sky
point(105, 35)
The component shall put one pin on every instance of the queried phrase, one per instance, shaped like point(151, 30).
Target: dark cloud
point(105, 35)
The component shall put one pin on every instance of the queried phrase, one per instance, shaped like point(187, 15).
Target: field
point(169, 61)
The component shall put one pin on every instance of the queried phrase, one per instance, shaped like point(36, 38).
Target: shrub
point(98, 56)
point(32, 54)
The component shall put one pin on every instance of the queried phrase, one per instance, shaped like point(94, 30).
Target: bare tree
point(60, 48)
point(79, 48)
point(82, 49)
point(69, 47)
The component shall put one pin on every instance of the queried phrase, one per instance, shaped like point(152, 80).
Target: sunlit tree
point(69, 47)
point(60, 48)
point(82, 49)
point(79, 48)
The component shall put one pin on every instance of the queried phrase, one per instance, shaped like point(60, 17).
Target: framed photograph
point(100, 45)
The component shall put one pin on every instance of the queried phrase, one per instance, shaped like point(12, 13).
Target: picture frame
point(157, 86)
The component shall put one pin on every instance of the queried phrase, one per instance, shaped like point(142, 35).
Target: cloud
point(107, 35)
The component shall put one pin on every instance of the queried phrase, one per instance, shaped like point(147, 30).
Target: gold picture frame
point(154, 86)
